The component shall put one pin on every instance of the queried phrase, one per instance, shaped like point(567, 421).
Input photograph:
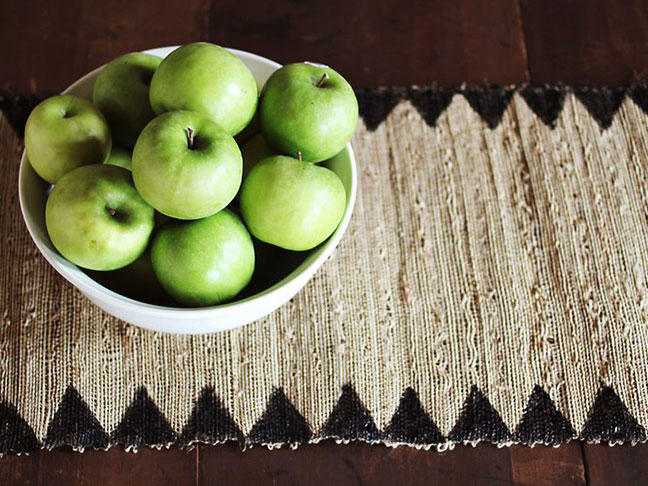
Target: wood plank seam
point(585, 464)
point(523, 47)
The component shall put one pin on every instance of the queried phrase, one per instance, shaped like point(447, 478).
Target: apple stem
point(190, 137)
point(112, 211)
point(299, 157)
point(324, 77)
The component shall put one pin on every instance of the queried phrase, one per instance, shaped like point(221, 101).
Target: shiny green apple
point(121, 92)
point(186, 166)
point(291, 204)
point(310, 109)
point(120, 156)
point(203, 262)
point(208, 79)
point(96, 219)
point(65, 132)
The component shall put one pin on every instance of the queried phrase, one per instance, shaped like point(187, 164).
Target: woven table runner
point(492, 286)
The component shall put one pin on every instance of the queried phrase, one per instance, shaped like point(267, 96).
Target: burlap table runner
point(492, 286)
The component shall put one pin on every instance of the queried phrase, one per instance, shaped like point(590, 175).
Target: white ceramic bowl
point(33, 195)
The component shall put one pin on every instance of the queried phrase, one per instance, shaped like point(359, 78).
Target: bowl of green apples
point(191, 189)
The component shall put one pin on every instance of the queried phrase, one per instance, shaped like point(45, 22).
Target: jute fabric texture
point(492, 285)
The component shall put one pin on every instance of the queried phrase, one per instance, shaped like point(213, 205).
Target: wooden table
point(47, 44)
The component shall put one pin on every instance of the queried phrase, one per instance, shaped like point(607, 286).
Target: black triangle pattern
point(143, 423)
point(639, 94)
point(601, 103)
point(16, 108)
point(281, 423)
point(350, 419)
point(489, 102)
point(16, 435)
point(210, 422)
point(546, 103)
point(542, 422)
point(411, 424)
point(375, 105)
point(609, 420)
point(479, 421)
point(430, 102)
point(75, 425)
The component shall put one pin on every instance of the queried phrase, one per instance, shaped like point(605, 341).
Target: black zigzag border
point(488, 100)
point(143, 424)
point(210, 422)
point(16, 108)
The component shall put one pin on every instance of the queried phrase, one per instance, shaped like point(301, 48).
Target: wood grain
point(39, 40)
point(357, 463)
point(624, 465)
point(372, 42)
point(114, 467)
point(46, 45)
point(586, 41)
point(548, 465)
point(329, 463)
point(21, 470)
point(385, 42)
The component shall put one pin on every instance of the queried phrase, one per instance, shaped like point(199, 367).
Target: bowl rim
point(126, 303)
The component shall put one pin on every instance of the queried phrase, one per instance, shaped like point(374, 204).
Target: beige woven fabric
point(502, 258)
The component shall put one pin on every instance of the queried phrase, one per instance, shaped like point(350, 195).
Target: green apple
point(121, 157)
point(203, 262)
point(290, 204)
point(65, 132)
point(137, 280)
point(186, 166)
point(308, 109)
point(121, 92)
point(96, 219)
point(253, 151)
point(206, 78)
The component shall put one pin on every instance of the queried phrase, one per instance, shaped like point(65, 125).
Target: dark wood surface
point(325, 463)
point(586, 41)
point(45, 45)
point(328, 463)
